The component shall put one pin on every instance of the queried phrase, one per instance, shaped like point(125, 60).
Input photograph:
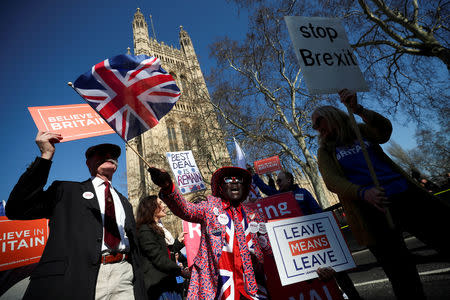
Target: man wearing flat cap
point(233, 239)
point(91, 251)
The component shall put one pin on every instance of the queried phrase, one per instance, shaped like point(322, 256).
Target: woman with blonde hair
point(159, 270)
point(345, 173)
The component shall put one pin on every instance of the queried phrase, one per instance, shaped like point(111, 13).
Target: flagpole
point(126, 142)
point(368, 161)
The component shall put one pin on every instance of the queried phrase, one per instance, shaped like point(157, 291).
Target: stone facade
point(191, 125)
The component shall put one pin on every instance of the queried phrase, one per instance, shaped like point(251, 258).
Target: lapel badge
point(216, 211)
point(88, 195)
point(223, 219)
point(262, 228)
point(253, 226)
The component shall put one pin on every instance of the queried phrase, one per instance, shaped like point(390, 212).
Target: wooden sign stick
point(369, 162)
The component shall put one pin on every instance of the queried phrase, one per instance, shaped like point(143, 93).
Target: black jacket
point(69, 265)
point(159, 270)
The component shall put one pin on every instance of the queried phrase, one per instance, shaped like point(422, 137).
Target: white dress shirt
point(99, 186)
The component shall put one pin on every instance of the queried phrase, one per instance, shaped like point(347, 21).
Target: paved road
point(434, 271)
point(369, 278)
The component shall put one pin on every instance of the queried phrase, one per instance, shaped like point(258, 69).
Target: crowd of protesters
point(96, 250)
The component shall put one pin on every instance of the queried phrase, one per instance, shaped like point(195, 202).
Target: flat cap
point(103, 149)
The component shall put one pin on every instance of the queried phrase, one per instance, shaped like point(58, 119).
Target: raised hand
point(46, 142)
point(160, 177)
point(349, 99)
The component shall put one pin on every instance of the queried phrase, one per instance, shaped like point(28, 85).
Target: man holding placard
point(285, 182)
point(91, 251)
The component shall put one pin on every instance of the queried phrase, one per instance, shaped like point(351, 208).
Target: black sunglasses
point(233, 180)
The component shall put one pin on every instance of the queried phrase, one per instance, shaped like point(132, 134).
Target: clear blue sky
point(46, 43)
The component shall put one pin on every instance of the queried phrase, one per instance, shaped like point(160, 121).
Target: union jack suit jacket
point(205, 273)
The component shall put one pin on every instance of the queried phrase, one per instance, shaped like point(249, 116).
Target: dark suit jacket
point(69, 265)
point(159, 270)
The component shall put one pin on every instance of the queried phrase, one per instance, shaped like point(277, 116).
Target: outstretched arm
point(175, 201)
point(28, 200)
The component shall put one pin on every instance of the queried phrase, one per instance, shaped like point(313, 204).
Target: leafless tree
point(401, 157)
point(258, 90)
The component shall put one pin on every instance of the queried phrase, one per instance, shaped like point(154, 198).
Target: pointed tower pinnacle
point(188, 48)
point(140, 34)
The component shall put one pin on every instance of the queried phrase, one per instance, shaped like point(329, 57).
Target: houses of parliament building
point(191, 124)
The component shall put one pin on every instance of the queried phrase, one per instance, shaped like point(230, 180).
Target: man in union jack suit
point(228, 264)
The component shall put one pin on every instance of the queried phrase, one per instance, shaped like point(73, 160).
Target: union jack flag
point(227, 281)
point(132, 93)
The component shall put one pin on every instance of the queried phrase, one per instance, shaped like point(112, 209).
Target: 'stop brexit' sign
point(325, 55)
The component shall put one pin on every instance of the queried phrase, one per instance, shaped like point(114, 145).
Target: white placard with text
point(185, 170)
point(303, 244)
point(327, 60)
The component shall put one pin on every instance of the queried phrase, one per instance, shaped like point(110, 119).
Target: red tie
point(112, 235)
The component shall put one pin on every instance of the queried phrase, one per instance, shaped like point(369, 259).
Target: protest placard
point(73, 122)
point(267, 165)
point(280, 206)
point(327, 60)
point(314, 289)
point(191, 240)
point(187, 175)
point(301, 245)
point(21, 242)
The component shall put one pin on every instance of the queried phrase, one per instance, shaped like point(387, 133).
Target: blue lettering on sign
point(302, 230)
point(310, 261)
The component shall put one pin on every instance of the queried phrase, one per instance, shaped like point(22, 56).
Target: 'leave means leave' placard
point(301, 245)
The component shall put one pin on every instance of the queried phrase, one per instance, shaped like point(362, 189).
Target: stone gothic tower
point(191, 125)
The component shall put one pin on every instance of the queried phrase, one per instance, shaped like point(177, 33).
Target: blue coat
point(305, 200)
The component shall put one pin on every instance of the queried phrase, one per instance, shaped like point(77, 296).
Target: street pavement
point(368, 277)
point(371, 281)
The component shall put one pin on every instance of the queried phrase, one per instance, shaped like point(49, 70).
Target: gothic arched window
point(184, 85)
point(173, 145)
point(185, 135)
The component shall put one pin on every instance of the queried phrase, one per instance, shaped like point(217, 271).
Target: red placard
point(77, 121)
point(284, 206)
point(312, 289)
point(276, 207)
point(21, 242)
point(191, 240)
point(267, 165)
